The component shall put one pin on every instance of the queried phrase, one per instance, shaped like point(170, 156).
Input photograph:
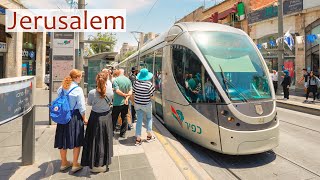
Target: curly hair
point(101, 84)
point(74, 73)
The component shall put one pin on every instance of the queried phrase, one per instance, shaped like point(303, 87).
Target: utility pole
point(280, 45)
point(81, 5)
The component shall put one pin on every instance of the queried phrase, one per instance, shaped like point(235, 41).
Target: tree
point(106, 37)
point(129, 53)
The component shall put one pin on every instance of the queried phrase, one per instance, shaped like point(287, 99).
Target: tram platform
point(297, 103)
point(165, 158)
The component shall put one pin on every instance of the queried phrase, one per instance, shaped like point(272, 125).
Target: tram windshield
point(235, 63)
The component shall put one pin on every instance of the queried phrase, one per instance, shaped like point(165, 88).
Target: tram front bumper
point(249, 142)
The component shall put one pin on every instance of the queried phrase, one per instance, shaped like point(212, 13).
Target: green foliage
point(106, 37)
point(129, 53)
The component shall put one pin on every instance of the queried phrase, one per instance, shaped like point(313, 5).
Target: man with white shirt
point(274, 77)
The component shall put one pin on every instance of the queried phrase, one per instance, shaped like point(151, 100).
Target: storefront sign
point(15, 97)
point(3, 47)
point(289, 7)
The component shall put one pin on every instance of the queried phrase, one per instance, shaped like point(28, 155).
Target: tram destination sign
point(16, 97)
point(289, 7)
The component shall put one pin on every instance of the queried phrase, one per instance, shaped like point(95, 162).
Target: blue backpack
point(60, 109)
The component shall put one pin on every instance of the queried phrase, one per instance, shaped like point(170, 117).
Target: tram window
point(158, 69)
point(192, 79)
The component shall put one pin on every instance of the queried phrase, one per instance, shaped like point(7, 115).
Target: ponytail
point(74, 73)
point(101, 85)
point(66, 83)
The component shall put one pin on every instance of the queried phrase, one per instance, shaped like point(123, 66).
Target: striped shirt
point(143, 91)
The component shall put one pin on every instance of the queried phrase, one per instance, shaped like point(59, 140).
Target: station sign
point(3, 47)
point(16, 97)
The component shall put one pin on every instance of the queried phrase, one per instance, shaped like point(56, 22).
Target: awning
point(219, 16)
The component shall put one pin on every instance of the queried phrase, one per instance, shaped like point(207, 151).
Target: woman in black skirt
point(98, 146)
point(71, 135)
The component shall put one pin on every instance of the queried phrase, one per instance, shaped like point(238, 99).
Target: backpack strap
point(108, 101)
point(71, 90)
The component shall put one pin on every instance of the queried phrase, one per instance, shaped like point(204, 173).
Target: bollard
point(28, 137)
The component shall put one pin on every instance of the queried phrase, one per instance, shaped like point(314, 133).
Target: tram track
point(300, 126)
point(297, 164)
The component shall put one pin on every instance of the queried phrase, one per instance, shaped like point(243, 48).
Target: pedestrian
point(286, 84)
point(143, 90)
point(133, 78)
point(107, 77)
point(98, 144)
point(304, 77)
point(71, 135)
point(122, 88)
point(312, 86)
point(274, 77)
point(115, 74)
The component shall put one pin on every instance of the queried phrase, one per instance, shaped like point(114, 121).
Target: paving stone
point(133, 161)
point(138, 174)
point(115, 175)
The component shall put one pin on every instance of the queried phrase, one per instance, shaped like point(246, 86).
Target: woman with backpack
point(312, 86)
point(98, 145)
point(71, 134)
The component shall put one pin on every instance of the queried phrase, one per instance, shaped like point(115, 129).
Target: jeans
point(123, 110)
point(141, 110)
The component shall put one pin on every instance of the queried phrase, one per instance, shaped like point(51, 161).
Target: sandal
point(138, 142)
point(151, 138)
point(63, 168)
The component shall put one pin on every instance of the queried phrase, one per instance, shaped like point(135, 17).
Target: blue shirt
point(76, 96)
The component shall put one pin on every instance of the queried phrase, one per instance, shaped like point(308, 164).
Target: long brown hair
point(74, 73)
point(101, 84)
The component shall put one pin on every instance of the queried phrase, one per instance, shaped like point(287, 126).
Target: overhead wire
point(148, 14)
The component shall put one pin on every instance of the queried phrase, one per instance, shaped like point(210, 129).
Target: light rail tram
point(212, 87)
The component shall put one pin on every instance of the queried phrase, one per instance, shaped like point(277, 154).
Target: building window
point(191, 77)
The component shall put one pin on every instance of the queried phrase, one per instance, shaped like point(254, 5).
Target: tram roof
point(190, 26)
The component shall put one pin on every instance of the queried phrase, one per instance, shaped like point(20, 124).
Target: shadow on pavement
point(8, 169)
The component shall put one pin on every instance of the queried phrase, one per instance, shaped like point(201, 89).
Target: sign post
point(16, 100)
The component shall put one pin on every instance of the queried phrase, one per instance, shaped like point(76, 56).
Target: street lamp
point(138, 41)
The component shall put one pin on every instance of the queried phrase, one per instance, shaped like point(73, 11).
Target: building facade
point(21, 53)
point(125, 49)
point(228, 12)
point(301, 18)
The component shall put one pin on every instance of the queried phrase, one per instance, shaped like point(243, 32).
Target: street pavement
point(165, 158)
point(148, 161)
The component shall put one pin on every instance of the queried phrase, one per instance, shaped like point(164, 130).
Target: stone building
point(21, 53)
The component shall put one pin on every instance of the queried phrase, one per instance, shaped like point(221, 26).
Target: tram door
point(158, 81)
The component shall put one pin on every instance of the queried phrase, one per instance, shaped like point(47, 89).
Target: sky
point(160, 19)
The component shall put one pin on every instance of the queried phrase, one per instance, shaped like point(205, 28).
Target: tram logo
point(177, 114)
point(259, 109)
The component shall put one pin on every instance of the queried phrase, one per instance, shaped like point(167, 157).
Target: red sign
point(288, 65)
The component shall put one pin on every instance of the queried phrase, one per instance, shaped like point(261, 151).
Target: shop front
point(270, 55)
point(312, 48)
point(3, 50)
point(29, 54)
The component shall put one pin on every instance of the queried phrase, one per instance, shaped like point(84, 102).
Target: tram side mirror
point(171, 37)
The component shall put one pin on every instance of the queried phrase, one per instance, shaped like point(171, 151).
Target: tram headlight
point(230, 119)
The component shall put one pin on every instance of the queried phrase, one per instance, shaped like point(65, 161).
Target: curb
point(297, 107)
point(187, 164)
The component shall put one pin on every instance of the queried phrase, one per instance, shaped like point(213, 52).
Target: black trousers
point(286, 92)
point(133, 113)
point(313, 89)
point(275, 86)
point(123, 110)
